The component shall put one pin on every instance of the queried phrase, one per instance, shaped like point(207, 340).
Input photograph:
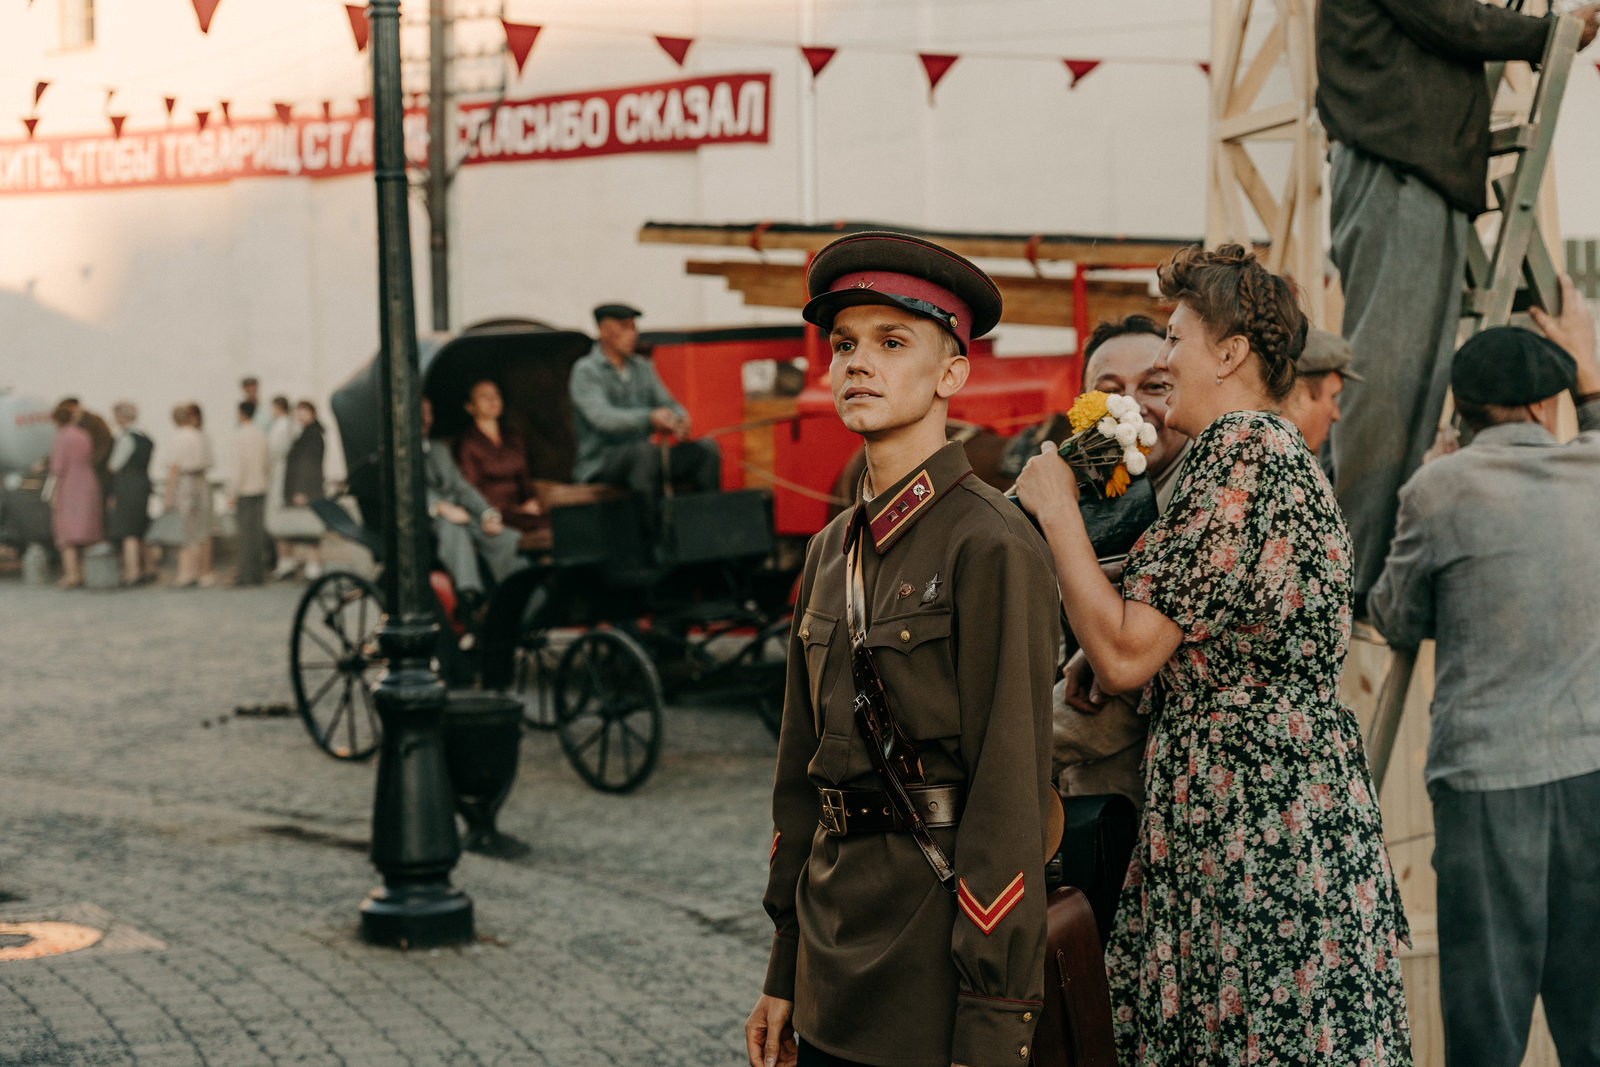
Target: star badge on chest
point(931, 593)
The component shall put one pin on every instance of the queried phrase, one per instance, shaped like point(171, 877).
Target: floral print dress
point(1260, 921)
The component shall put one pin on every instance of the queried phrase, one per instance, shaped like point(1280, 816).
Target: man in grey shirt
point(1494, 557)
point(617, 403)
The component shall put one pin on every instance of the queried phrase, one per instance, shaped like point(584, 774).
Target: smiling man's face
point(891, 369)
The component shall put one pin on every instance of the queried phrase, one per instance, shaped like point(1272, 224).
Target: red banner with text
point(677, 116)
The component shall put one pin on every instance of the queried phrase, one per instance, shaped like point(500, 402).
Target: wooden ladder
point(1516, 274)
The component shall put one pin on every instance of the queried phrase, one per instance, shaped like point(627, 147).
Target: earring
point(1219, 379)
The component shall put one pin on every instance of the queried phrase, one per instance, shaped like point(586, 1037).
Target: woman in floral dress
point(1260, 922)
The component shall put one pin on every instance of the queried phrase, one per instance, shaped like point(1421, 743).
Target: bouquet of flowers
point(1108, 443)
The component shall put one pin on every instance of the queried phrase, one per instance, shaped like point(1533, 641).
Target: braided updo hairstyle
point(1234, 294)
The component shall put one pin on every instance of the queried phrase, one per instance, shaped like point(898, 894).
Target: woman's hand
point(1047, 485)
point(531, 506)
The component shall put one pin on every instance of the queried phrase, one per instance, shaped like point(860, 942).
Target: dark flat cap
point(1510, 365)
point(615, 311)
point(1325, 352)
point(883, 267)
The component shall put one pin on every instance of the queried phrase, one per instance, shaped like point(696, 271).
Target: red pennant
point(285, 112)
point(227, 119)
point(203, 10)
point(30, 123)
point(676, 47)
point(172, 102)
point(327, 111)
point(38, 91)
point(1205, 68)
point(519, 38)
point(817, 57)
point(201, 118)
point(360, 25)
point(1079, 69)
point(364, 106)
point(116, 124)
point(937, 66)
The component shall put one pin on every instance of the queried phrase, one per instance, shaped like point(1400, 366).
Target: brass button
point(1027, 1016)
point(805, 635)
point(905, 636)
point(1024, 1052)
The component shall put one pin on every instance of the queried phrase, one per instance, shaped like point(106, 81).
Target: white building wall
point(162, 295)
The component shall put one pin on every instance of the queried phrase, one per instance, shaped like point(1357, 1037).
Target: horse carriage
point(600, 626)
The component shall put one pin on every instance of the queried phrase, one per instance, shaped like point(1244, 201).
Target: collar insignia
point(897, 513)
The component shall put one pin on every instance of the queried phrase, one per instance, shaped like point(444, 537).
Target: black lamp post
point(414, 841)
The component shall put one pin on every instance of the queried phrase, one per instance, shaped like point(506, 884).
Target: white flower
point(1127, 436)
point(1121, 406)
point(1147, 435)
point(1134, 460)
point(1107, 426)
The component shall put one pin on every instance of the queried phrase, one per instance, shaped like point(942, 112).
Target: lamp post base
point(417, 916)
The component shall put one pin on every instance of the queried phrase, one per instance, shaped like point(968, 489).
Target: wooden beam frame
point(1241, 71)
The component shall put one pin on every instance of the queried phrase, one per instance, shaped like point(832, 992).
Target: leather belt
point(868, 811)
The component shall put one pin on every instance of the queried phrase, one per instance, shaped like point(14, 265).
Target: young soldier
point(896, 948)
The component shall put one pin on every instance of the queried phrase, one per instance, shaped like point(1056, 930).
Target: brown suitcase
point(1075, 1026)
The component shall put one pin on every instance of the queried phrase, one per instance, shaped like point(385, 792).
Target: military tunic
point(884, 965)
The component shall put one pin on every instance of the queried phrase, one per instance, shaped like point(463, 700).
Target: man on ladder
point(1403, 95)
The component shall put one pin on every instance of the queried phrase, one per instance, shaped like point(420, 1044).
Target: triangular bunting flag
point(227, 119)
point(364, 106)
point(172, 102)
point(30, 123)
point(937, 66)
point(116, 124)
point(1079, 69)
point(201, 118)
point(519, 38)
point(676, 47)
point(285, 112)
point(1205, 68)
point(360, 25)
point(38, 91)
point(817, 57)
point(203, 10)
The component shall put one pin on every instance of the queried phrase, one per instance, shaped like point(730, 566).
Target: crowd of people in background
point(100, 488)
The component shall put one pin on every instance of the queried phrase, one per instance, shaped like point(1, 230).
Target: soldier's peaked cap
point(898, 270)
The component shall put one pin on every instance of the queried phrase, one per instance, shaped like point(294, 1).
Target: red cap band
point(892, 284)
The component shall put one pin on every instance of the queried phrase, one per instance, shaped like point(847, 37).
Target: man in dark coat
point(1401, 91)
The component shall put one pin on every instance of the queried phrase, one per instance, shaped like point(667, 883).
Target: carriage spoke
point(322, 690)
point(338, 713)
point(350, 720)
point(588, 742)
point(329, 649)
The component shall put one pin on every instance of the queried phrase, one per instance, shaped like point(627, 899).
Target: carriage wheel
point(536, 663)
point(333, 661)
point(608, 710)
point(765, 664)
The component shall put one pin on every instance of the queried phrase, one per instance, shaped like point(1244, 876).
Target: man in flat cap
point(907, 873)
point(1320, 373)
point(1494, 557)
point(618, 402)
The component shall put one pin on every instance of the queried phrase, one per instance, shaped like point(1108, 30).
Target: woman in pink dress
point(76, 503)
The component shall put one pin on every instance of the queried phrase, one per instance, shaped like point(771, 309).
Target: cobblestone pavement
point(225, 857)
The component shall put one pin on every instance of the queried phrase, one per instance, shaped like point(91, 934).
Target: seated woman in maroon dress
point(493, 460)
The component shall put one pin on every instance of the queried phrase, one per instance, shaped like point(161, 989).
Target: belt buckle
point(833, 818)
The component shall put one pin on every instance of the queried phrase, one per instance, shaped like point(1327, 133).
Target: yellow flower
point(1117, 484)
point(1087, 410)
